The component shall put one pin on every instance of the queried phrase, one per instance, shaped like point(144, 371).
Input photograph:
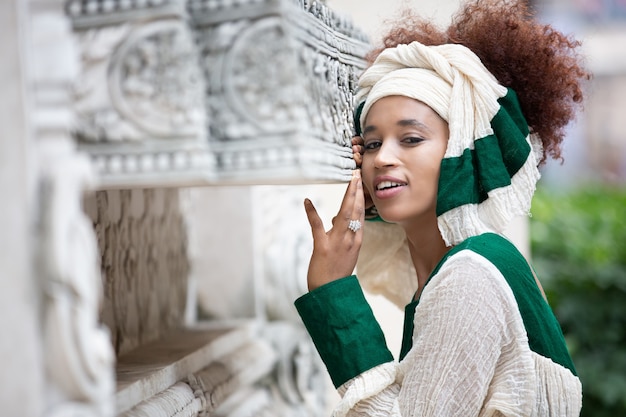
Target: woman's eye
point(371, 145)
point(412, 140)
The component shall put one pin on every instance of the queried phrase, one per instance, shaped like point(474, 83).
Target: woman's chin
point(389, 217)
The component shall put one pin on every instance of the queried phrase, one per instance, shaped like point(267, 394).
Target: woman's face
point(404, 143)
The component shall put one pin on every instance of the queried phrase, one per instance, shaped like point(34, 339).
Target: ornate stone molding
point(280, 76)
point(249, 92)
point(139, 99)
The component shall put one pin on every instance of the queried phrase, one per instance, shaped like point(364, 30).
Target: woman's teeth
point(387, 184)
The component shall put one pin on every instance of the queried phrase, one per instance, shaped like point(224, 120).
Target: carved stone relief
point(142, 239)
point(152, 90)
point(139, 99)
point(281, 113)
point(300, 384)
point(169, 96)
point(78, 348)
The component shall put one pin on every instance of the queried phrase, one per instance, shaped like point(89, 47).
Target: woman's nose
point(387, 155)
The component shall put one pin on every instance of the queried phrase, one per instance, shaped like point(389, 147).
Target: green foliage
point(578, 242)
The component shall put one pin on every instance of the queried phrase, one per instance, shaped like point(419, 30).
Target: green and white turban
point(489, 171)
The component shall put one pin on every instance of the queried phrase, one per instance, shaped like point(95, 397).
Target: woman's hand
point(357, 154)
point(357, 150)
point(335, 252)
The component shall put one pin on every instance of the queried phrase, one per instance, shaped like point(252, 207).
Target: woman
point(452, 128)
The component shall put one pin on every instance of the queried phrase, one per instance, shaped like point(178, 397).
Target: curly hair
point(541, 64)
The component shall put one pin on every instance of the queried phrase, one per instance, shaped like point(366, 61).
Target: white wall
point(371, 15)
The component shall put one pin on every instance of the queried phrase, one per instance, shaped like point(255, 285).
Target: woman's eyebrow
point(369, 129)
point(403, 123)
point(414, 123)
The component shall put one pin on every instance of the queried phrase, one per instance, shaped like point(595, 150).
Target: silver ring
point(354, 225)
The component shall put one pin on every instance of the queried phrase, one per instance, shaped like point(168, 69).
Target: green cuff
point(343, 328)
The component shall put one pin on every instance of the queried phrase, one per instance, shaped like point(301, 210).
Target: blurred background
point(577, 232)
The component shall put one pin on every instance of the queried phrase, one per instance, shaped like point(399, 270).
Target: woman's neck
point(427, 248)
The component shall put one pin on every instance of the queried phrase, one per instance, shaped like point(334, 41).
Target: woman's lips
point(389, 192)
point(388, 187)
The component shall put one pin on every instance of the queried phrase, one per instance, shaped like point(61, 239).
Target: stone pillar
point(67, 363)
point(22, 377)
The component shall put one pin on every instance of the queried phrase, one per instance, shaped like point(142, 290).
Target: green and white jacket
point(480, 341)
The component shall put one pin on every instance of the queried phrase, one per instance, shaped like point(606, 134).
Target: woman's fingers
point(317, 226)
point(357, 216)
point(349, 200)
point(352, 196)
point(357, 150)
point(357, 153)
point(358, 209)
point(357, 140)
point(367, 198)
point(335, 252)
